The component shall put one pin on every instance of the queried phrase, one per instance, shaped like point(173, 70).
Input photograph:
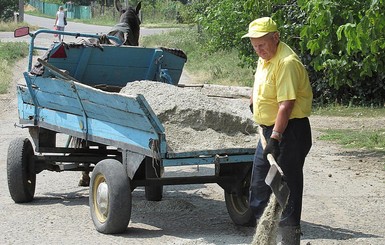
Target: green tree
point(226, 21)
point(7, 8)
point(346, 42)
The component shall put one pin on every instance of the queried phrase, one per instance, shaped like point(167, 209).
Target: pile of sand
point(196, 121)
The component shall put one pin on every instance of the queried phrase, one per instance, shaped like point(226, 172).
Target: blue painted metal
point(81, 64)
point(69, 105)
point(153, 64)
point(117, 66)
point(73, 34)
point(58, 95)
point(84, 123)
point(202, 160)
point(123, 121)
point(33, 97)
point(203, 153)
point(165, 76)
point(112, 118)
point(218, 156)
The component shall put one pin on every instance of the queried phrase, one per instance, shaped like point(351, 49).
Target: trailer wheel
point(238, 205)
point(20, 170)
point(110, 197)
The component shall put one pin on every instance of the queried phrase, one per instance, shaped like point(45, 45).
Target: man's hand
point(272, 148)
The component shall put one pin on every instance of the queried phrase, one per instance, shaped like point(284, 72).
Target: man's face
point(266, 46)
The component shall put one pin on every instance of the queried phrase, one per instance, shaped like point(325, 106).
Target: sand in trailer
point(194, 121)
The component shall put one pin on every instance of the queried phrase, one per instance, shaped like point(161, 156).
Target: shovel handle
point(263, 139)
point(270, 157)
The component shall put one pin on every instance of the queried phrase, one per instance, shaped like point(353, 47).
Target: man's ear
point(276, 36)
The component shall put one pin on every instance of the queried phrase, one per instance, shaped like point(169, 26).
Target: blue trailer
point(73, 91)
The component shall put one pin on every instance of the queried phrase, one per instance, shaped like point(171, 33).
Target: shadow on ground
point(318, 231)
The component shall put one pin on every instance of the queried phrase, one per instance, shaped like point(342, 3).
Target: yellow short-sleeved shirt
point(281, 78)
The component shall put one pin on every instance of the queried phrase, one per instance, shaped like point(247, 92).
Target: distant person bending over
point(281, 102)
point(60, 21)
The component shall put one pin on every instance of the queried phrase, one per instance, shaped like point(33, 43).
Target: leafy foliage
point(8, 7)
point(345, 39)
point(226, 21)
point(340, 42)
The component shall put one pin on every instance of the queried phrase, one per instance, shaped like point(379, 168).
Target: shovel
point(274, 177)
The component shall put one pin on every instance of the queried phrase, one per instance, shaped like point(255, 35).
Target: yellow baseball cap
point(261, 27)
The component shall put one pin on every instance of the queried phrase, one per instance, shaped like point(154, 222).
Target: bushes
point(340, 42)
point(345, 42)
point(8, 7)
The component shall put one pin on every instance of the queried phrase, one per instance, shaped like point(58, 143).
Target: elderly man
point(281, 104)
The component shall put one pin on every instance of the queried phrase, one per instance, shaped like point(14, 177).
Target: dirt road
point(343, 199)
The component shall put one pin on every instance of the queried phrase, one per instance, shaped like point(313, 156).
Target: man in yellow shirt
point(281, 104)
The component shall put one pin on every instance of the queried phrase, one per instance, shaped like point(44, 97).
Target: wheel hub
point(102, 198)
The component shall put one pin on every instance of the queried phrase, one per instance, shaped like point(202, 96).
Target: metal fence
point(95, 10)
point(72, 11)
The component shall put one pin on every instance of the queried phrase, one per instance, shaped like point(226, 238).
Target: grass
point(370, 141)
point(11, 26)
point(373, 140)
point(220, 67)
point(107, 20)
point(349, 111)
point(10, 53)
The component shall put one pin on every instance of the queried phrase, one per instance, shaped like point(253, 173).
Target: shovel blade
point(278, 185)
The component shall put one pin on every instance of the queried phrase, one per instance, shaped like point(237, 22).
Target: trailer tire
point(20, 170)
point(110, 197)
point(238, 205)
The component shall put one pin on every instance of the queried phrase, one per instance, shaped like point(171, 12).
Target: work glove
point(272, 148)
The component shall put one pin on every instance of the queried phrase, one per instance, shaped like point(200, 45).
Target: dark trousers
point(294, 147)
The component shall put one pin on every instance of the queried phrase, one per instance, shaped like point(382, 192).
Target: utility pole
point(21, 11)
